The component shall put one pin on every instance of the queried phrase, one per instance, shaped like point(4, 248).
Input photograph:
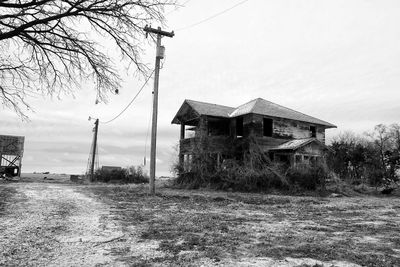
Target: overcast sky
point(336, 60)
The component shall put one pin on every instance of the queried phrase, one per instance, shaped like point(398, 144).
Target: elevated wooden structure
point(11, 152)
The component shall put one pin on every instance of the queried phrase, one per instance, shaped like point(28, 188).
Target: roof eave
point(175, 120)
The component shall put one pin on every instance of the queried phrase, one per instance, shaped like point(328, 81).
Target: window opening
point(313, 131)
point(267, 127)
point(239, 126)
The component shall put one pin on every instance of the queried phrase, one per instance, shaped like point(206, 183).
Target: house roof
point(267, 108)
point(256, 106)
point(297, 143)
point(210, 109)
point(202, 108)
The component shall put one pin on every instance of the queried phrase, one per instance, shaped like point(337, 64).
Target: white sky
point(336, 60)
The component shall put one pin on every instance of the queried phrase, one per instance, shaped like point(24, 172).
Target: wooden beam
point(182, 130)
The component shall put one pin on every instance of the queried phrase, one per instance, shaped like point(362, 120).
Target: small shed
point(11, 152)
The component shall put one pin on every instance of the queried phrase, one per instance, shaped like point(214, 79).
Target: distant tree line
point(372, 158)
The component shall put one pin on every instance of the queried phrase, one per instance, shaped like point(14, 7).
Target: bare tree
point(49, 46)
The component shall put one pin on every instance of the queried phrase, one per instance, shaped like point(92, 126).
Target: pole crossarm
point(148, 29)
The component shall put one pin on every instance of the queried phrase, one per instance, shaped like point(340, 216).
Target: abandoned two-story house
point(285, 135)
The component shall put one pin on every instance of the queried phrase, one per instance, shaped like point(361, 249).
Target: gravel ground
point(53, 225)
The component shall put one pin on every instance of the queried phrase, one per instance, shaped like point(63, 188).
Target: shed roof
point(298, 143)
point(256, 106)
point(294, 144)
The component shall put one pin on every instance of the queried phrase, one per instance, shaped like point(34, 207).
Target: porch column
point(181, 159)
point(203, 126)
point(182, 130)
point(19, 166)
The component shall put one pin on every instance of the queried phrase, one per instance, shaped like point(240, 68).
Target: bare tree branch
point(50, 46)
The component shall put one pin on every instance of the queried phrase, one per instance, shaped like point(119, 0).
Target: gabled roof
point(256, 106)
point(297, 143)
point(202, 108)
point(209, 109)
point(267, 108)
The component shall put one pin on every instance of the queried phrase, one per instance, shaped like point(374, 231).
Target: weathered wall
point(285, 128)
point(211, 144)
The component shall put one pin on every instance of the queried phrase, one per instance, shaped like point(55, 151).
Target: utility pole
point(159, 56)
point(96, 128)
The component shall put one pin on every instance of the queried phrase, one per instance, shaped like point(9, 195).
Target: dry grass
point(6, 194)
point(209, 228)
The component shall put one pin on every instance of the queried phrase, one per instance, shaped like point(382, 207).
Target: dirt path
point(54, 225)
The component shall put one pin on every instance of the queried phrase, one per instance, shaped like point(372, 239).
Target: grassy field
point(181, 227)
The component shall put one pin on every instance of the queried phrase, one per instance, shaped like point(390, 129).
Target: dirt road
point(53, 225)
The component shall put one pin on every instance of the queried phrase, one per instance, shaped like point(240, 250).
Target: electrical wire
point(212, 17)
point(130, 103)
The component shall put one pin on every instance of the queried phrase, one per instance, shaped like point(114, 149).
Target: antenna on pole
point(159, 55)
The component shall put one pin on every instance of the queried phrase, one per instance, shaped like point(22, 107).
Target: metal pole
point(96, 128)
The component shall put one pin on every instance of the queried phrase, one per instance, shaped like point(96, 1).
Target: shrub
point(125, 175)
point(136, 175)
point(308, 176)
point(233, 175)
point(104, 175)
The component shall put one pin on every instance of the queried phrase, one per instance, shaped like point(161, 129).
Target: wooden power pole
point(96, 128)
point(159, 56)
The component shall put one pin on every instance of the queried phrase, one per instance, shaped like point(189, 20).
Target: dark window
point(267, 127)
point(218, 127)
point(284, 159)
point(313, 131)
point(239, 126)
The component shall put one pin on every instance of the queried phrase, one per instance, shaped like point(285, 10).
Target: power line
point(213, 16)
point(133, 99)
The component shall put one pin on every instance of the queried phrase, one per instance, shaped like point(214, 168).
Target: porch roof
point(298, 143)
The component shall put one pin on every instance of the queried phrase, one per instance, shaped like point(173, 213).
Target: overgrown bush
point(254, 173)
point(244, 178)
point(308, 176)
point(372, 158)
point(137, 175)
point(239, 177)
point(125, 175)
point(105, 175)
